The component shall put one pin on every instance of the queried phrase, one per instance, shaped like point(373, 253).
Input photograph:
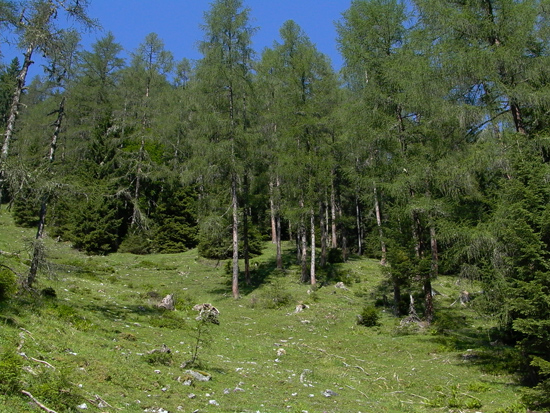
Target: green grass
point(92, 343)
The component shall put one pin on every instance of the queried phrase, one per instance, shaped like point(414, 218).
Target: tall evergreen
point(224, 77)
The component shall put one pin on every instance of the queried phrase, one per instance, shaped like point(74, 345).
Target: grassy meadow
point(96, 346)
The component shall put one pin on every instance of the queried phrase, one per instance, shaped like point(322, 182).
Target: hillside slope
point(101, 344)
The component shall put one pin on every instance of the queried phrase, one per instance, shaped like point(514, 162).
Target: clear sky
point(177, 22)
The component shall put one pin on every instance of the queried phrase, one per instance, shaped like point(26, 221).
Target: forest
point(429, 150)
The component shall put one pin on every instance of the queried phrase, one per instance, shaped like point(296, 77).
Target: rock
point(341, 285)
point(300, 308)
point(82, 406)
point(167, 303)
point(198, 376)
point(213, 402)
point(329, 393)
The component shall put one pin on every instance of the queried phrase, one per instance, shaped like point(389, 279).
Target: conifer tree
point(224, 77)
point(37, 29)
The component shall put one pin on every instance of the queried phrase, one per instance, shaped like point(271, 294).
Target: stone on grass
point(198, 376)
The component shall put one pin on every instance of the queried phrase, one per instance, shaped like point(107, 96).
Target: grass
point(97, 341)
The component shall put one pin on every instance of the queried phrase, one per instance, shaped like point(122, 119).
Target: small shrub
point(275, 295)
point(10, 372)
point(158, 358)
point(369, 317)
point(54, 388)
point(136, 243)
point(8, 284)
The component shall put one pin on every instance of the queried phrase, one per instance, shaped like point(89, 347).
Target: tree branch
point(38, 403)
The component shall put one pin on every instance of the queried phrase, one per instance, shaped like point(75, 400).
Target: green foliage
point(176, 227)
point(11, 365)
point(369, 317)
point(159, 358)
point(25, 211)
point(98, 226)
point(54, 388)
point(137, 242)
point(8, 283)
point(215, 240)
point(274, 295)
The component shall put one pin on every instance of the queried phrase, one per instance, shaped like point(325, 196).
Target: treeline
point(429, 150)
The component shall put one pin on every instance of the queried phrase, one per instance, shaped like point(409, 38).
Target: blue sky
point(177, 22)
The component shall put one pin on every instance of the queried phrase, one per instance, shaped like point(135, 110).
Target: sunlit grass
point(103, 323)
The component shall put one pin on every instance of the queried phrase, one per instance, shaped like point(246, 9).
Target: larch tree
point(224, 75)
point(302, 87)
point(37, 28)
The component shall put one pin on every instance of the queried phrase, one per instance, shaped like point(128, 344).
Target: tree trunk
point(428, 300)
point(38, 248)
point(518, 118)
point(322, 224)
point(275, 223)
point(272, 213)
point(57, 124)
point(235, 230)
point(334, 241)
point(312, 269)
point(303, 255)
point(136, 215)
point(14, 112)
point(359, 227)
point(383, 251)
point(246, 252)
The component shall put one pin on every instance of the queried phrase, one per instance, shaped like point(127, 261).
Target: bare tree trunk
point(359, 227)
point(14, 112)
point(334, 241)
point(312, 269)
point(53, 144)
point(383, 251)
point(38, 248)
point(322, 224)
point(246, 249)
point(235, 230)
point(273, 214)
point(275, 223)
point(136, 212)
point(303, 255)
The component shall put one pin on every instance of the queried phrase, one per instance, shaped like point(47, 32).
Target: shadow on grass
point(266, 272)
point(481, 347)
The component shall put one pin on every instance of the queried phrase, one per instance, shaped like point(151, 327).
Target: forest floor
point(100, 344)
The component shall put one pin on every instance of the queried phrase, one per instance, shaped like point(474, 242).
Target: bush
point(8, 284)
point(138, 243)
point(273, 296)
point(10, 372)
point(54, 388)
point(158, 358)
point(369, 317)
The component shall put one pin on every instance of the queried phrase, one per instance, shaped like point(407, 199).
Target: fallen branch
point(38, 403)
point(43, 362)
